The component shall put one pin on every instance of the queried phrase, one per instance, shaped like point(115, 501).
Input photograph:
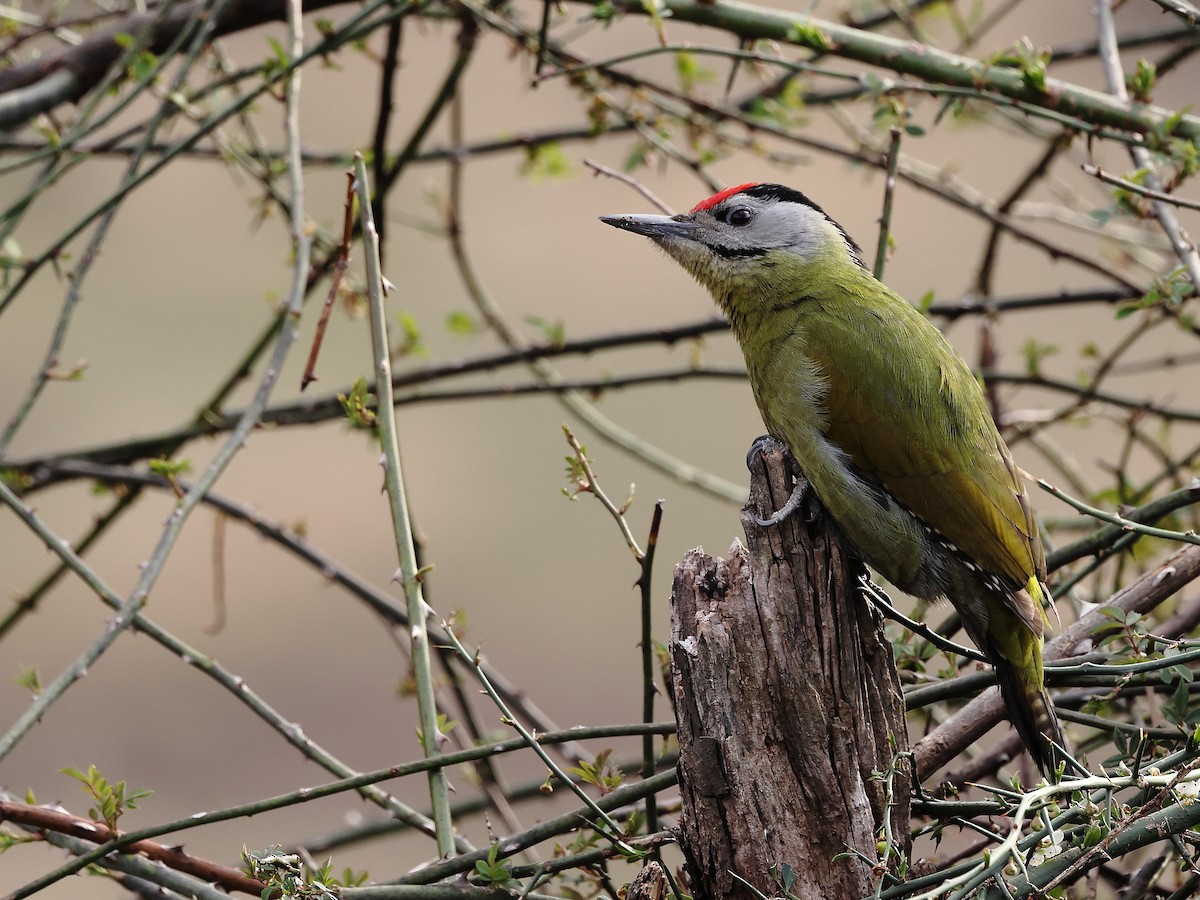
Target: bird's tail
point(1029, 706)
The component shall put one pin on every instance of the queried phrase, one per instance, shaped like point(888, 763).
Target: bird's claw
point(768, 444)
point(764, 443)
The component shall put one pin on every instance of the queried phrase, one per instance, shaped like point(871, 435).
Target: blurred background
point(198, 260)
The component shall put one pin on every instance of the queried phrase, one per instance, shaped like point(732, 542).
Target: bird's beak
point(654, 226)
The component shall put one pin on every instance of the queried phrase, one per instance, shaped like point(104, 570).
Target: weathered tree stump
point(789, 709)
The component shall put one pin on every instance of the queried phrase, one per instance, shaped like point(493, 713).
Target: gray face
point(734, 230)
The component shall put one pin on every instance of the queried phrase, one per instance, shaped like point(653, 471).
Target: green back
point(919, 423)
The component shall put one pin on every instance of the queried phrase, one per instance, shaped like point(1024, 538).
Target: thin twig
point(1036, 172)
point(339, 270)
point(1186, 537)
point(889, 192)
point(217, 625)
point(352, 27)
point(357, 782)
point(199, 37)
point(1181, 8)
point(571, 399)
point(543, 39)
point(621, 797)
point(409, 574)
point(882, 602)
point(611, 831)
point(592, 486)
point(1140, 189)
point(637, 185)
point(383, 119)
point(649, 689)
point(42, 469)
point(1184, 249)
point(250, 419)
point(130, 609)
point(645, 560)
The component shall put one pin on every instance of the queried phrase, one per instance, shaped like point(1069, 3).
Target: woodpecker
point(884, 418)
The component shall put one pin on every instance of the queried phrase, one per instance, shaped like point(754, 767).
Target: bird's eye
point(740, 216)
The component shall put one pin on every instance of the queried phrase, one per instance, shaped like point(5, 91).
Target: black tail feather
point(1031, 712)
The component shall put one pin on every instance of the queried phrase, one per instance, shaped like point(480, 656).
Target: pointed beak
point(654, 226)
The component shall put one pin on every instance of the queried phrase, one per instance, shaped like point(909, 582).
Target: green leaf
point(275, 64)
point(638, 156)
point(1141, 81)
point(111, 800)
point(690, 72)
point(785, 876)
point(808, 35)
point(1031, 61)
point(1175, 710)
point(357, 405)
point(600, 773)
point(461, 324)
point(411, 344)
point(280, 52)
point(142, 65)
point(29, 679)
point(491, 872)
point(1034, 352)
point(604, 11)
point(546, 161)
point(786, 108)
point(11, 256)
point(554, 333)
point(169, 468)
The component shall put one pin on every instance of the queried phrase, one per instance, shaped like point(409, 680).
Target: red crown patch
point(717, 198)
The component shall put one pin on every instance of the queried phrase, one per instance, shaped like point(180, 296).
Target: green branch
point(409, 573)
point(923, 61)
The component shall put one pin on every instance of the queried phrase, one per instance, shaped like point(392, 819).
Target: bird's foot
point(762, 444)
point(768, 444)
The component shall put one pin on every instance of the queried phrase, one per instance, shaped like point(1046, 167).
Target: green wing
point(959, 478)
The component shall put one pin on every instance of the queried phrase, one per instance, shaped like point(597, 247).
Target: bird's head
point(747, 235)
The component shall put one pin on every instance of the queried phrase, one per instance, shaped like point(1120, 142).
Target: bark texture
point(789, 708)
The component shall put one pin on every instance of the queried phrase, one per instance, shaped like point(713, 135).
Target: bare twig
point(637, 185)
point(1139, 189)
point(339, 270)
point(170, 535)
point(1181, 8)
point(1184, 248)
point(882, 248)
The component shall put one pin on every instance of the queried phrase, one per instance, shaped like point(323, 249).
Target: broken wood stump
point(789, 709)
